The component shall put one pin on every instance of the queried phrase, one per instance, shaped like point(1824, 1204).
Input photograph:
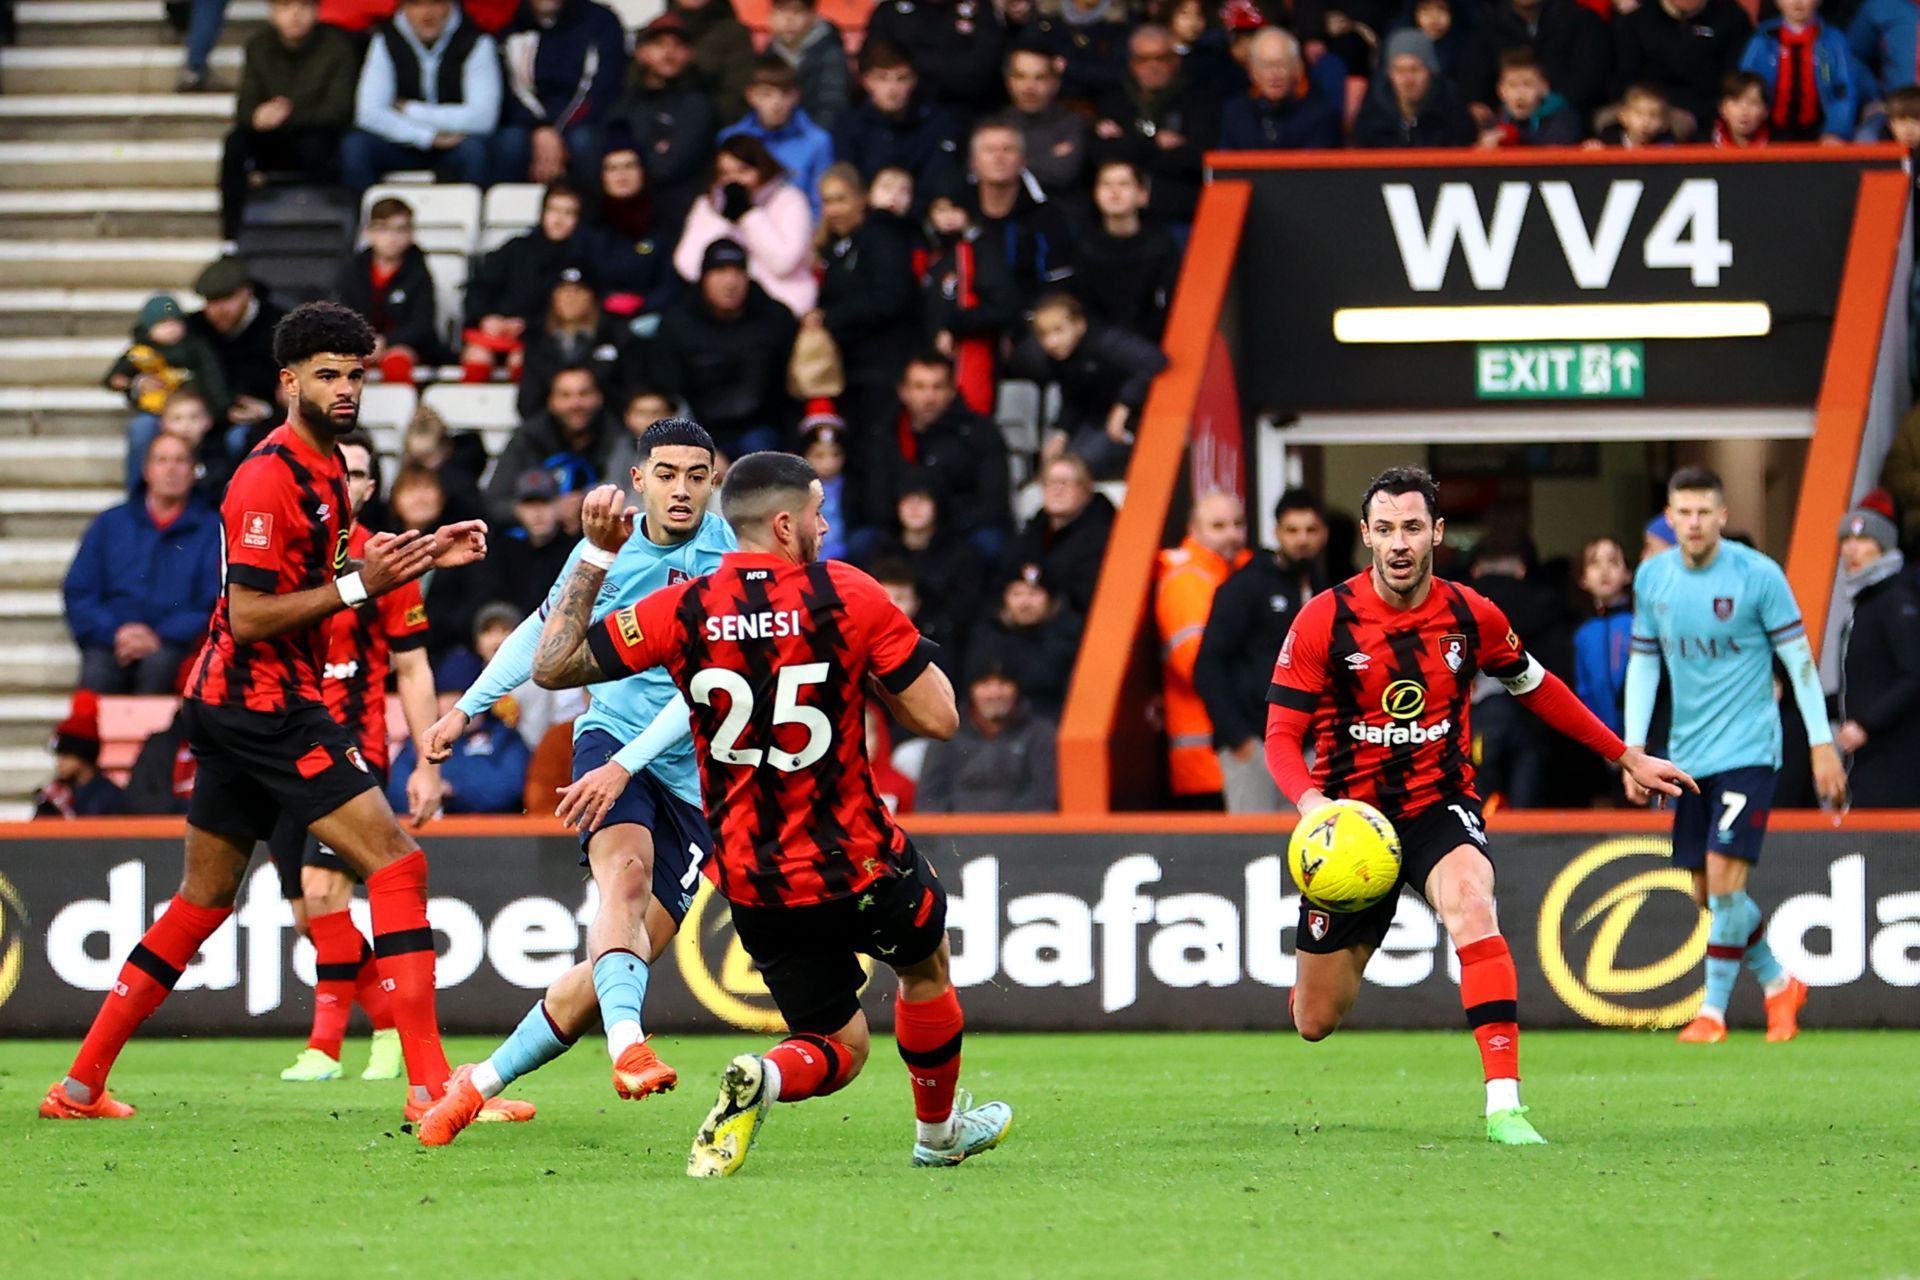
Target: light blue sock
point(1761, 962)
point(620, 980)
point(1726, 943)
point(533, 1044)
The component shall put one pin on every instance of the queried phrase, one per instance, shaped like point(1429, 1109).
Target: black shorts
point(1425, 838)
point(292, 846)
point(1728, 816)
point(252, 767)
point(810, 956)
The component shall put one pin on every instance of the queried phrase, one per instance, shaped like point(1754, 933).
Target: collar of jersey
point(755, 560)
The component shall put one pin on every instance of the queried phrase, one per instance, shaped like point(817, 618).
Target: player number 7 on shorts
point(786, 710)
point(1733, 804)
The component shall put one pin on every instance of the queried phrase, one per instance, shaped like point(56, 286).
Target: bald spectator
point(1163, 122)
point(1281, 111)
point(1056, 138)
point(145, 579)
point(1245, 628)
point(1686, 47)
point(1188, 577)
point(1013, 212)
point(1409, 104)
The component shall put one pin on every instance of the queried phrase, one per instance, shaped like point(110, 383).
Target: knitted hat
point(1410, 41)
point(161, 306)
point(1872, 517)
point(79, 734)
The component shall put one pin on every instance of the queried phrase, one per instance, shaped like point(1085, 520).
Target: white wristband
point(352, 590)
point(598, 557)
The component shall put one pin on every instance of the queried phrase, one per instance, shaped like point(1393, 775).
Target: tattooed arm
point(562, 660)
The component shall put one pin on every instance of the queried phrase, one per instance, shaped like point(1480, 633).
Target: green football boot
point(1512, 1128)
point(311, 1067)
point(383, 1058)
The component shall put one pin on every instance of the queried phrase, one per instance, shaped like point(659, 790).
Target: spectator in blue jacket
point(1813, 82)
point(1600, 645)
point(429, 98)
point(145, 580)
point(564, 61)
point(487, 772)
point(775, 116)
point(891, 129)
point(1885, 37)
point(1281, 111)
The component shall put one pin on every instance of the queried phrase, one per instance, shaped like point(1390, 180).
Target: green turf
point(1131, 1155)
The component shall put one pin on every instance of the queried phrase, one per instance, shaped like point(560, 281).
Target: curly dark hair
point(668, 432)
point(1395, 481)
point(320, 328)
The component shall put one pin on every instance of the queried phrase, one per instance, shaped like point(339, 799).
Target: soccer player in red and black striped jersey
point(1380, 670)
point(777, 651)
point(259, 730)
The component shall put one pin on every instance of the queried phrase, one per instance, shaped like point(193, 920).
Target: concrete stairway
point(106, 195)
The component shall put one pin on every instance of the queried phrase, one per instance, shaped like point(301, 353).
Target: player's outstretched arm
point(1548, 697)
point(392, 561)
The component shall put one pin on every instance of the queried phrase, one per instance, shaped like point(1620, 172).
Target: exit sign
point(1560, 371)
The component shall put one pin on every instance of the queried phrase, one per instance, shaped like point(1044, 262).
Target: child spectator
point(1409, 104)
point(823, 443)
point(970, 299)
point(1000, 760)
point(458, 460)
point(1813, 82)
point(488, 767)
point(78, 788)
point(1128, 264)
point(1643, 121)
point(1531, 114)
point(1600, 644)
point(1742, 120)
point(1280, 111)
point(1572, 41)
point(890, 127)
point(1103, 372)
point(564, 60)
point(1903, 117)
point(511, 290)
point(184, 414)
point(813, 48)
point(777, 119)
point(295, 104)
point(1437, 21)
point(186, 417)
point(753, 204)
point(573, 334)
point(892, 192)
point(388, 283)
point(868, 299)
point(668, 119)
point(164, 355)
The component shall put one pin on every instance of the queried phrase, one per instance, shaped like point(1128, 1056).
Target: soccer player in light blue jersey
point(635, 797)
point(1720, 613)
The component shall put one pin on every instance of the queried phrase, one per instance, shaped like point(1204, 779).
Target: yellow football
point(1345, 856)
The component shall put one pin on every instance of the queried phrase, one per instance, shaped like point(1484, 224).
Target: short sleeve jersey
point(284, 523)
point(774, 659)
point(1390, 690)
point(1716, 626)
point(360, 647)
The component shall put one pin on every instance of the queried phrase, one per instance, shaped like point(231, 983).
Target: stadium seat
point(1017, 410)
point(125, 725)
point(385, 410)
point(449, 272)
point(294, 238)
point(511, 208)
point(487, 407)
point(446, 216)
point(635, 14)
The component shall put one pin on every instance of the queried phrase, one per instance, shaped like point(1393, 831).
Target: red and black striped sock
point(151, 969)
point(403, 949)
point(810, 1066)
point(929, 1033)
point(367, 989)
point(1490, 990)
point(336, 967)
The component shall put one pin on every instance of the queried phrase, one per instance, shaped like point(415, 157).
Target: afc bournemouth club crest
point(1318, 922)
point(1723, 607)
point(1453, 648)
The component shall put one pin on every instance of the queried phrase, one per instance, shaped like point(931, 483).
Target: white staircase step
point(132, 264)
point(62, 462)
point(27, 563)
point(29, 361)
point(60, 400)
point(33, 708)
point(109, 200)
point(122, 106)
point(140, 213)
point(31, 604)
point(71, 13)
point(33, 666)
point(37, 502)
point(171, 163)
point(121, 302)
point(94, 68)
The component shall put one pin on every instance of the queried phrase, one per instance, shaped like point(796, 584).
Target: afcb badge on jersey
point(1723, 607)
point(1317, 924)
point(1452, 650)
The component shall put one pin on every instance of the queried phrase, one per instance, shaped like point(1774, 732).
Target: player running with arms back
point(777, 651)
point(1721, 612)
point(1380, 669)
point(261, 737)
point(636, 791)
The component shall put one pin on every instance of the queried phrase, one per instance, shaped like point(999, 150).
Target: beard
point(315, 415)
point(809, 541)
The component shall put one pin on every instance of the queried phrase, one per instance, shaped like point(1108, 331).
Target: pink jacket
point(777, 234)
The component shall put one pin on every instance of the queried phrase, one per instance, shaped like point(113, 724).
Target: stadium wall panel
point(1167, 924)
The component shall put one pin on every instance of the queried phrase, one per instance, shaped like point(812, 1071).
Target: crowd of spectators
point(843, 242)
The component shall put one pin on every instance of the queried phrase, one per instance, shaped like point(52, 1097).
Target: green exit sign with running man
point(1560, 371)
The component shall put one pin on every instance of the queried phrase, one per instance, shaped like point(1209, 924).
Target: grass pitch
point(1131, 1155)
